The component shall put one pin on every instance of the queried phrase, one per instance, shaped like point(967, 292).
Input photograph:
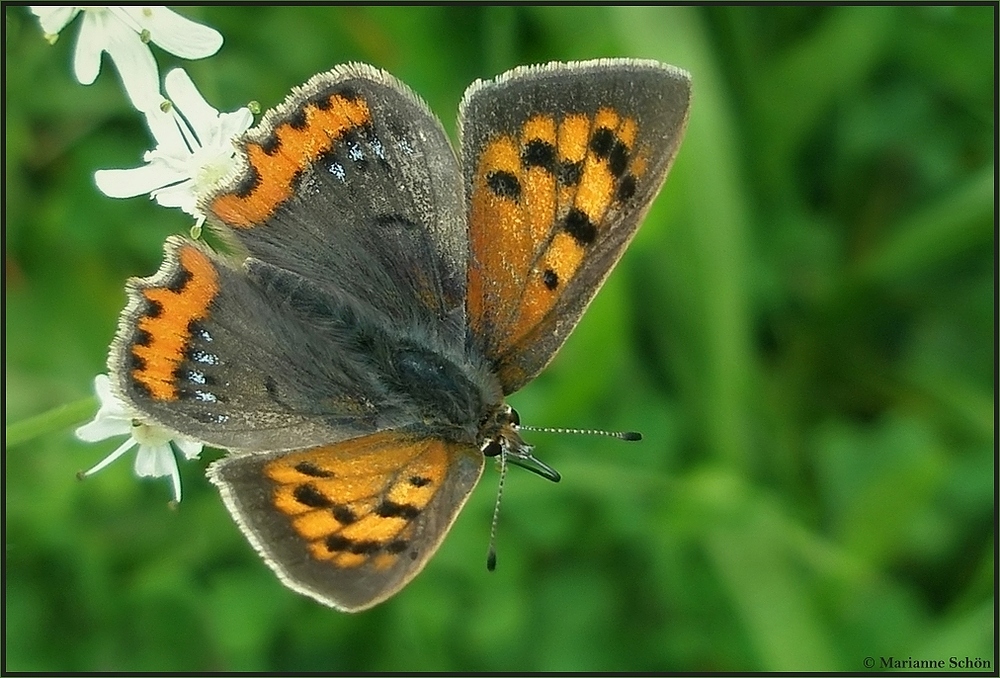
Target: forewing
point(352, 184)
point(561, 163)
point(352, 523)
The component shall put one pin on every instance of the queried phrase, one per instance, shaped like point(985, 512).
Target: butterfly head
point(498, 432)
point(499, 436)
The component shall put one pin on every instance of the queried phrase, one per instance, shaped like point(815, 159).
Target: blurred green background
point(803, 330)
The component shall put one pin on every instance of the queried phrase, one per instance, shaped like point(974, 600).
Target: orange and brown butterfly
point(384, 297)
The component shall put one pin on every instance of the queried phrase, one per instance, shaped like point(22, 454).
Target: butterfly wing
point(561, 163)
point(251, 357)
point(352, 184)
point(350, 524)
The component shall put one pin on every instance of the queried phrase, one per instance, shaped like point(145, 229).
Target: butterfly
point(381, 296)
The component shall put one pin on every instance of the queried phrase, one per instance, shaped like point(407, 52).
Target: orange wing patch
point(164, 328)
point(356, 502)
point(294, 145)
point(538, 202)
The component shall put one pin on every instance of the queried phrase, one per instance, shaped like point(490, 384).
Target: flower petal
point(180, 195)
point(175, 33)
point(135, 64)
point(189, 448)
point(194, 149)
point(157, 461)
point(101, 428)
point(91, 41)
point(154, 461)
point(232, 125)
point(202, 117)
point(175, 477)
point(102, 387)
point(165, 127)
point(111, 419)
point(128, 183)
point(54, 18)
point(122, 449)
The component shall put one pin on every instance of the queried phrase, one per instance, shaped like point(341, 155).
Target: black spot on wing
point(608, 147)
point(347, 92)
point(365, 547)
point(618, 158)
point(135, 362)
point(504, 184)
point(320, 101)
point(272, 143)
point(248, 183)
point(142, 338)
point(602, 141)
point(390, 509)
point(397, 546)
point(152, 308)
point(344, 515)
point(179, 280)
point(310, 469)
point(335, 542)
point(298, 118)
point(539, 153)
point(550, 279)
point(580, 227)
point(307, 495)
point(626, 188)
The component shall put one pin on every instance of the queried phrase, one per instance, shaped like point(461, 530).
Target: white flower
point(194, 150)
point(123, 32)
point(155, 458)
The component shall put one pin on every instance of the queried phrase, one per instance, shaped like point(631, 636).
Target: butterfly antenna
point(491, 554)
point(620, 435)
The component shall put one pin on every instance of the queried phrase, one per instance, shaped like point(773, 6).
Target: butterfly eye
point(515, 418)
point(492, 449)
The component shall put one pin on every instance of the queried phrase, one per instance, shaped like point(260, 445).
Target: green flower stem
point(56, 419)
